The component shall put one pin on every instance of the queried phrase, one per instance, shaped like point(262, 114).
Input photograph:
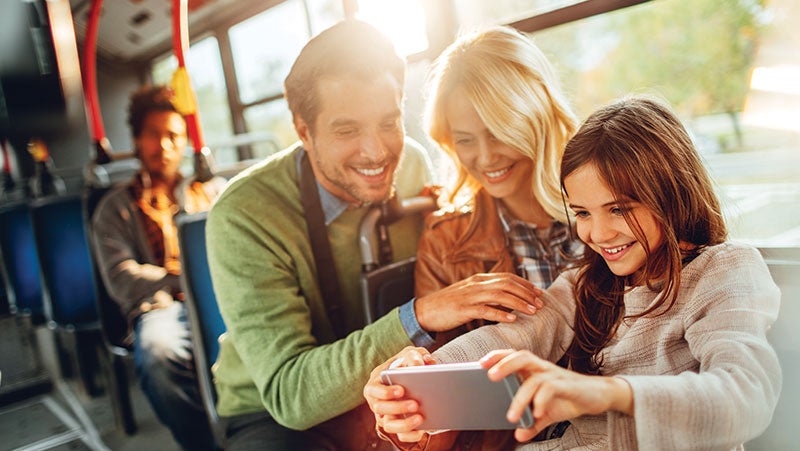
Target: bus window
point(264, 48)
point(476, 13)
point(403, 22)
point(728, 71)
point(274, 117)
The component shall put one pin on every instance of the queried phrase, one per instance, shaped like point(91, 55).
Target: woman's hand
point(394, 413)
point(554, 393)
point(492, 297)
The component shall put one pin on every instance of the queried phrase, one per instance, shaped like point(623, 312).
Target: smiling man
point(289, 374)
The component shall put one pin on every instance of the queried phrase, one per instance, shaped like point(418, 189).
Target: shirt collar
point(332, 206)
point(511, 224)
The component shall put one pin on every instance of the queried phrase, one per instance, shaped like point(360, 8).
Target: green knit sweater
point(280, 352)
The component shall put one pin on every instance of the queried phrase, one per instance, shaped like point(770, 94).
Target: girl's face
point(602, 226)
point(502, 171)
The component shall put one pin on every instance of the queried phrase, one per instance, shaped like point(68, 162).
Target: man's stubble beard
point(353, 189)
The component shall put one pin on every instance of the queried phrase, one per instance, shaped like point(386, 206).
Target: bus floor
point(46, 419)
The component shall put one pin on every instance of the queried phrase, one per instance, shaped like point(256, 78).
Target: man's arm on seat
point(128, 280)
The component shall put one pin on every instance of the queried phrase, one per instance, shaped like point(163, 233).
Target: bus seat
point(201, 305)
point(68, 280)
point(19, 267)
point(20, 261)
point(121, 169)
point(385, 286)
point(65, 262)
point(784, 266)
point(5, 306)
point(59, 244)
point(118, 355)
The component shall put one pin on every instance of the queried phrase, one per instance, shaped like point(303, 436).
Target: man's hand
point(160, 299)
point(482, 296)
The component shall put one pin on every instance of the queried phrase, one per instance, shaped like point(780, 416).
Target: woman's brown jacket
point(456, 244)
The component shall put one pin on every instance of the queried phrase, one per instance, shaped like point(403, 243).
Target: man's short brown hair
point(350, 48)
point(147, 100)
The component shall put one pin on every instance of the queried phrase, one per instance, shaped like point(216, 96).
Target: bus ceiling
point(136, 32)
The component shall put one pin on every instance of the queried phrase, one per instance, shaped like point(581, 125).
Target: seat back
point(67, 272)
point(385, 286)
point(102, 179)
point(5, 306)
point(113, 323)
point(784, 267)
point(201, 305)
point(20, 260)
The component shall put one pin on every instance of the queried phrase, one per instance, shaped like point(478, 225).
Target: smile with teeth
point(371, 172)
point(614, 250)
point(498, 173)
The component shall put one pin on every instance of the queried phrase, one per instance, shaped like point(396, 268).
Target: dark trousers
point(165, 367)
point(352, 431)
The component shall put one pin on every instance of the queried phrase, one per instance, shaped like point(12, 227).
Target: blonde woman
point(496, 108)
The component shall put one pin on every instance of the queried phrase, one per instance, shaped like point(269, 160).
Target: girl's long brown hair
point(645, 155)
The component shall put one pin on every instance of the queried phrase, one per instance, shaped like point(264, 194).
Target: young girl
point(664, 324)
point(495, 107)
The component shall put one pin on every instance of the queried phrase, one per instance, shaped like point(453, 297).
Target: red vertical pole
point(102, 146)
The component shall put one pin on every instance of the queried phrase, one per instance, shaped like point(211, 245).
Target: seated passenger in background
point(664, 324)
point(137, 247)
point(291, 368)
point(496, 108)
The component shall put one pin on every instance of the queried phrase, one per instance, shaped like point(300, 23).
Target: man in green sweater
point(290, 374)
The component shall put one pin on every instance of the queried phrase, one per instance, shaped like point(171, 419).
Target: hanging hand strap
point(321, 247)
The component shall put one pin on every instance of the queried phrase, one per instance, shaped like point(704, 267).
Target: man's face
point(357, 138)
point(161, 144)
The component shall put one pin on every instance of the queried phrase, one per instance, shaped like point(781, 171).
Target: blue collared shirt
point(332, 208)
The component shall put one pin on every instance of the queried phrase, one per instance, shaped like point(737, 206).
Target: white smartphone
point(458, 396)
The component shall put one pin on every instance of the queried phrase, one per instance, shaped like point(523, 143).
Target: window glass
point(271, 123)
point(476, 13)
point(730, 70)
point(323, 14)
point(264, 48)
point(403, 22)
point(205, 70)
point(416, 75)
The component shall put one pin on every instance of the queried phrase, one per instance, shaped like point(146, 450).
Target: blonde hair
point(516, 93)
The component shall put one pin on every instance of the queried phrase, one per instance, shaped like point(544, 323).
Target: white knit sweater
point(703, 375)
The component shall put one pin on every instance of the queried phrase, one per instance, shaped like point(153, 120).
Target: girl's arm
point(556, 394)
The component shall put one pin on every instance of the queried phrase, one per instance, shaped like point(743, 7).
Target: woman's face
point(602, 226)
point(502, 171)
